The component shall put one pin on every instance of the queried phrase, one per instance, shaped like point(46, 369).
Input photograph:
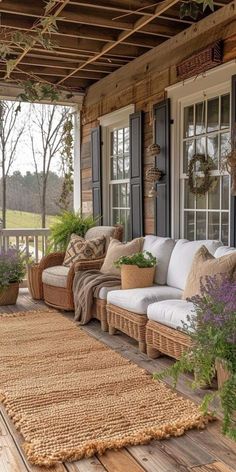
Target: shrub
point(66, 224)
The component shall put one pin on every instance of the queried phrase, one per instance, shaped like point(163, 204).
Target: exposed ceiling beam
point(57, 12)
point(141, 23)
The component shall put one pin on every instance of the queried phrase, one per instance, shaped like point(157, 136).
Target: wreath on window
point(200, 185)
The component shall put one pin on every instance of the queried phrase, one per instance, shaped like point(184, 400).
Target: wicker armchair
point(61, 297)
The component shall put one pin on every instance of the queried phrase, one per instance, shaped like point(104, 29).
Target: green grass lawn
point(23, 219)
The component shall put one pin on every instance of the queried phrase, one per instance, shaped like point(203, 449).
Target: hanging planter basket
point(8, 295)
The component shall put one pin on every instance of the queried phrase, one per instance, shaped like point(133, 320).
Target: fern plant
point(67, 223)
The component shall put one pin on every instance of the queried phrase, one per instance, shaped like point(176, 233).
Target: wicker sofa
point(57, 280)
point(128, 310)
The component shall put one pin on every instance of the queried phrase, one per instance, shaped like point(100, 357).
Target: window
point(206, 130)
point(119, 180)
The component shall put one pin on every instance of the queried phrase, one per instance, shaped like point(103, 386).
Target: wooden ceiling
point(93, 39)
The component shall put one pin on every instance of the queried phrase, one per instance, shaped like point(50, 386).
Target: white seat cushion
point(224, 251)
point(171, 312)
point(55, 276)
point(137, 300)
point(105, 290)
point(161, 248)
point(182, 258)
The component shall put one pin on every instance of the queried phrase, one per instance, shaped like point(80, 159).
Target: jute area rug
point(71, 396)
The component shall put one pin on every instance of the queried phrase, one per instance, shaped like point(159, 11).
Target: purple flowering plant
point(212, 327)
point(12, 266)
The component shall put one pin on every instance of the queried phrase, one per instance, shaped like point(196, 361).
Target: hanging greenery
point(192, 8)
point(200, 185)
point(67, 163)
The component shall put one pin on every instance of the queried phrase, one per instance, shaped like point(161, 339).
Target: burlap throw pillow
point(205, 264)
point(116, 249)
point(79, 248)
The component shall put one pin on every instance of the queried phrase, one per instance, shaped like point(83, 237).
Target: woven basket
point(34, 282)
point(133, 276)
point(8, 295)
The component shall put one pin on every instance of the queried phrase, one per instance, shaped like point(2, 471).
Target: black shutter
point(233, 128)
point(163, 200)
point(136, 174)
point(96, 173)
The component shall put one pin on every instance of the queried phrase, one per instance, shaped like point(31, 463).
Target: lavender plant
point(12, 266)
point(212, 327)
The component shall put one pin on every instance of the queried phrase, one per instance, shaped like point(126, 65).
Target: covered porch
point(152, 90)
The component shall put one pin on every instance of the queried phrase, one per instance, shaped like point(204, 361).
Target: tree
point(46, 131)
point(11, 131)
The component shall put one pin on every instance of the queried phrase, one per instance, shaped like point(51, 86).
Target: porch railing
point(33, 241)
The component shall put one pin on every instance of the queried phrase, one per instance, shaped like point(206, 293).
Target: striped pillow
point(79, 248)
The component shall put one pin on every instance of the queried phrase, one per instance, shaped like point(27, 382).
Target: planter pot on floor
point(8, 295)
point(133, 276)
point(34, 281)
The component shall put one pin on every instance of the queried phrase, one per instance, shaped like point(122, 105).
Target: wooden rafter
point(44, 29)
point(143, 21)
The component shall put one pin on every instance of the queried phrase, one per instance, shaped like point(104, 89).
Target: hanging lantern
point(153, 150)
point(153, 175)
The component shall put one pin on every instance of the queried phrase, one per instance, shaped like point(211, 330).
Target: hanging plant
point(192, 8)
point(67, 163)
point(200, 185)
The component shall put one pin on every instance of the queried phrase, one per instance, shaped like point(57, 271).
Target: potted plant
point(138, 270)
point(212, 327)
point(67, 223)
point(12, 271)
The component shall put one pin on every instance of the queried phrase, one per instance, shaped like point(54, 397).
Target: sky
point(24, 158)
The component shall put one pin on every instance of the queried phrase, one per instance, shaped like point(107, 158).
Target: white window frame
point(214, 82)
point(109, 122)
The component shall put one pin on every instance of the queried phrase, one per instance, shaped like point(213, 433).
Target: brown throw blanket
point(86, 286)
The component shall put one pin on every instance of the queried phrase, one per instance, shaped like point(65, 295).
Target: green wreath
point(205, 167)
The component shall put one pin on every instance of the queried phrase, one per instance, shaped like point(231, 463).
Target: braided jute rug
point(71, 396)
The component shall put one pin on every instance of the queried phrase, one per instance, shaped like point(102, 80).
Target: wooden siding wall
point(143, 87)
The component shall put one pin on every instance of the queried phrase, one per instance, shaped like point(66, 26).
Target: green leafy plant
point(212, 327)
point(67, 223)
point(67, 163)
point(193, 8)
point(141, 259)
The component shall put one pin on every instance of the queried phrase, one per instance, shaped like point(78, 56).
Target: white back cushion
point(161, 248)
point(224, 251)
point(182, 258)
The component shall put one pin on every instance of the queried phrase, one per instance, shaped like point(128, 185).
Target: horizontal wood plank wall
point(144, 86)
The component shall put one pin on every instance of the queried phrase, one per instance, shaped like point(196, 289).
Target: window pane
point(225, 192)
point(201, 201)
point(188, 196)
point(126, 140)
point(115, 217)
point(115, 195)
point(224, 144)
point(120, 168)
point(225, 228)
point(113, 168)
point(114, 143)
point(213, 225)
point(200, 118)
point(189, 225)
point(128, 195)
point(214, 195)
point(213, 114)
point(120, 141)
point(201, 225)
point(225, 107)
point(123, 198)
point(188, 121)
point(188, 154)
point(126, 167)
point(213, 150)
point(201, 146)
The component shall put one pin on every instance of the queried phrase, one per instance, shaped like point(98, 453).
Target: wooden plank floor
point(196, 451)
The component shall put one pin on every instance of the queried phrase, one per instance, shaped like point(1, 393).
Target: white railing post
point(33, 241)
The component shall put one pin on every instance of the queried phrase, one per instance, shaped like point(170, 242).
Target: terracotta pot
point(8, 295)
point(34, 282)
point(222, 372)
point(133, 276)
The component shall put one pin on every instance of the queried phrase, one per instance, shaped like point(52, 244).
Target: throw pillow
point(79, 248)
point(116, 249)
point(205, 264)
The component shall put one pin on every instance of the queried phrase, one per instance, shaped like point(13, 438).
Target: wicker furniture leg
point(132, 324)
point(100, 312)
point(162, 339)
